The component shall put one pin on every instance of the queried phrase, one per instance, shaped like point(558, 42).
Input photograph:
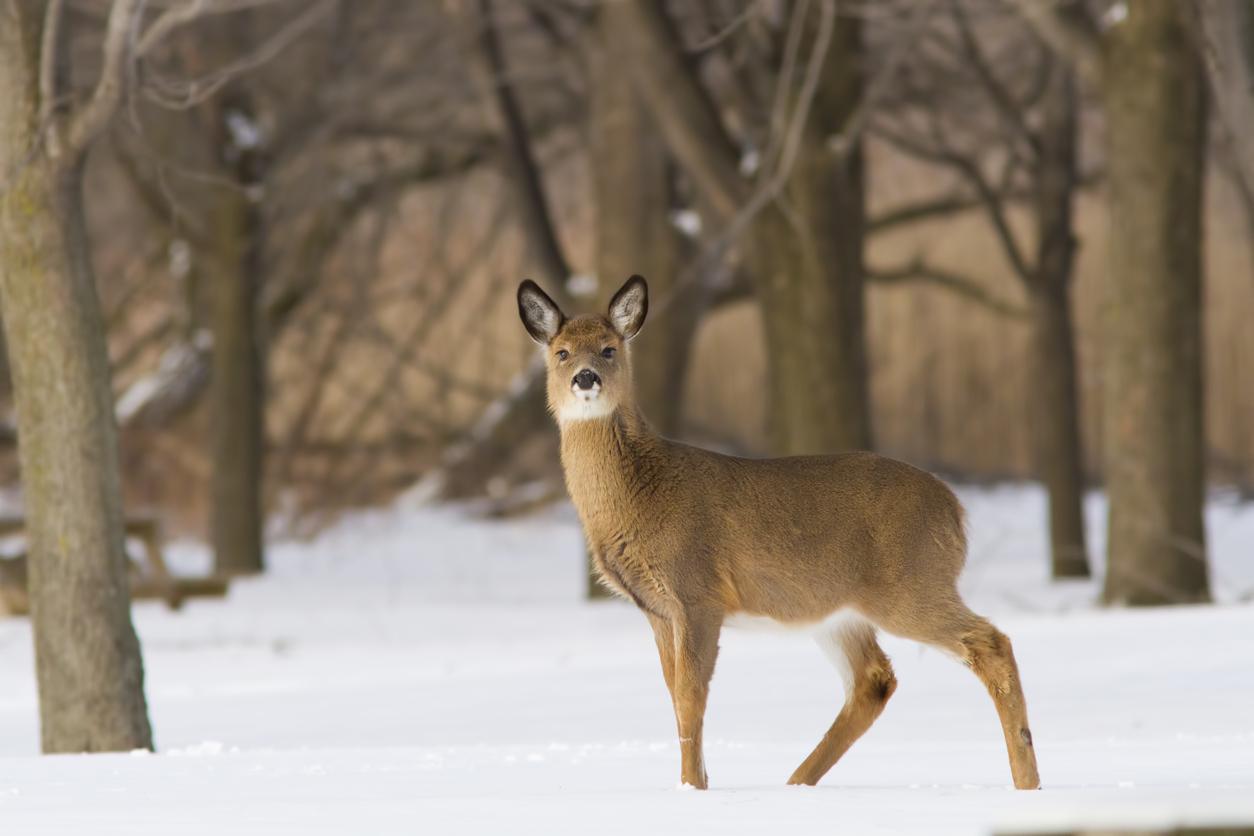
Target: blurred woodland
point(1000, 239)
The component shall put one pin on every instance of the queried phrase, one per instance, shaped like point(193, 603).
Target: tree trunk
point(1152, 359)
point(805, 250)
point(237, 381)
point(1059, 452)
point(87, 656)
point(521, 414)
point(1227, 33)
point(526, 179)
point(632, 183)
point(807, 265)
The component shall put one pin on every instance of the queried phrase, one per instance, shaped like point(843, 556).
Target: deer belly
point(766, 624)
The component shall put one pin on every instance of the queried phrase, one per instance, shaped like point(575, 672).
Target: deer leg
point(696, 648)
point(947, 624)
point(664, 635)
point(869, 682)
point(987, 651)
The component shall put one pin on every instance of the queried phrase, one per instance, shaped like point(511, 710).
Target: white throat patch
point(585, 405)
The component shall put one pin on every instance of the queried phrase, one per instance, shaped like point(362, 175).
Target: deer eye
point(563, 354)
point(607, 352)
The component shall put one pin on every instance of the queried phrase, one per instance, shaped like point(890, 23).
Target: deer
point(841, 545)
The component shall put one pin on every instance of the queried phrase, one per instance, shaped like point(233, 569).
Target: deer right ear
point(540, 315)
point(629, 307)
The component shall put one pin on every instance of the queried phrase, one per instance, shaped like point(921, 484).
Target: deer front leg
point(664, 635)
point(696, 648)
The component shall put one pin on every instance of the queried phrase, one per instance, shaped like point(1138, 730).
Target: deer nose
point(586, 379)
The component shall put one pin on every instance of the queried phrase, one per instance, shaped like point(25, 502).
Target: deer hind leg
point(869, 682)
point(987, 652)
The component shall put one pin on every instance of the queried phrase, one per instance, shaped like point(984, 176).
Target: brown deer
point(840, 545)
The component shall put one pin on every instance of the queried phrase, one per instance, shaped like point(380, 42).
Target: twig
point(918, 270)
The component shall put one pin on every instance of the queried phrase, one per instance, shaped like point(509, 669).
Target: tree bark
point(526, 181)
point(1059, 451)
point(521, 414)
point(1227, 33)
point(805, 247)
point(237, 377)
point(632, 184)
point(87, 656)
point(807, 257)
point(685, 116)
point(1152, 360)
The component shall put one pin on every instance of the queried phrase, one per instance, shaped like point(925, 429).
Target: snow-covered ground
point(418, 671)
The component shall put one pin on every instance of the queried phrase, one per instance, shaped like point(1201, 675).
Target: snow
point(180, 258)
point(1115, 15)
point(245, 132)
point(582, 285)
point(176, 367)
point(687, 221)
point(750, 161)
point(417, 670)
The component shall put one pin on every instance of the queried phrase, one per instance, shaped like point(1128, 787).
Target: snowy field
point(418, 671)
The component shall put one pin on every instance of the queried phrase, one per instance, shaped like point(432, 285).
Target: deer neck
point(610, 463)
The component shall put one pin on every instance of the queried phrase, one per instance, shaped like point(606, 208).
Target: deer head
point(589, 367)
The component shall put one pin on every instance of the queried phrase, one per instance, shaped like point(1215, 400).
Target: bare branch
point(1224, 32)
point(119, 34)
point(926, 210)
point(171, 19)
point(1010, 112)
point(336, 218)
point(957, 203)
point(50, 70)
point(686, 115)
point(989, 197)
point(918, 270)
point(190, 94)
point(535, 211)
point(1067, 28)
point(752, 10)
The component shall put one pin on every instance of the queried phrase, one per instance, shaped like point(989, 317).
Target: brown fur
point(692, 537)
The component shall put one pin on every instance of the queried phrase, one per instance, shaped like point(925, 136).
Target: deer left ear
point(540, 315)
point(629, 307)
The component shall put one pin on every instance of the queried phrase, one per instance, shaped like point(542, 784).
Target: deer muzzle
point(587, 384)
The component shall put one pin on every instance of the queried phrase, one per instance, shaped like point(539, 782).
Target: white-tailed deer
point(840, 545)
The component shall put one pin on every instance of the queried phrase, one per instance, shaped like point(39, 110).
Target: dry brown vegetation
point(949, 377)
point(412, 331)
point(406, 345)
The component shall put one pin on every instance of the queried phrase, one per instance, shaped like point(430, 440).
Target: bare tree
point(237, 382)
point(87, 656)
point(1150, 78)
point(634, 194)
point(1225, 31)
point(263, 183)
point(960, 106)
point(805, 216)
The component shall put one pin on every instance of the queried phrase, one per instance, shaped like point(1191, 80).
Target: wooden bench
point(149, 575)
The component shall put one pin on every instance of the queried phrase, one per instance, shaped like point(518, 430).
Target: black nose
point(586, 379)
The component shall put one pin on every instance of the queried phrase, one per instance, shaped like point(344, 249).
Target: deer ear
point(629, 306)
point(540, 315)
